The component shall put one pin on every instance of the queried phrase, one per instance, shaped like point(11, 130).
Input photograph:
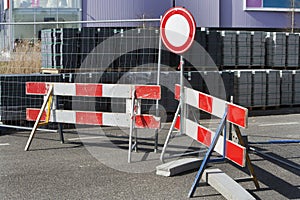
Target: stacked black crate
point(13, 98)
point(106, 41)
point(258, 48)
point(154, 43)
point(148, 43)
point(168, 81)
point(279, 49)
point(296, 87)
point(292, 60)
point(71, 48)
point(46, 48)
point(120, 42)
point(88, 44)
point(214, 47)
point(228, 79)
point(273, 88)
point(286, 87)
point(259, 88)
point(243, 48)
point(229, 42)
point(131, 42)
point(214, 84)
point(196, 56)
point(269, 50)
point(242, 88)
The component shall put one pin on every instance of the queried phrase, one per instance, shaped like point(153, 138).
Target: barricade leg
point(60, 126)
point(156, 140)
point(249, 164)
point(135, 140)
point(49, 93)
point(131, 129)
point(156, 130)
point(170, 133)
point(207, 156)
point(61, 134)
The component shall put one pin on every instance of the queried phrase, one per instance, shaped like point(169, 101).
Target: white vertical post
point(11, 31)
point(158, 83)
point(182, 109)
point(131, 128)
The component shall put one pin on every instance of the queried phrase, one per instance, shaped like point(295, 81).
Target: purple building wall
point(205, 12)
point(231, 14)
point(123, 9)
point(234, 15)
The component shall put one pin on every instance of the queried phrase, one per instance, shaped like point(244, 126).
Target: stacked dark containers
point(259, 88)
point(276, 49)
point(68, 48)
point(292, 56)
point(229, 50)
point(147, 44)
point(243, 48)
point(258, 49)
point(70, 55)
point(296, 87)
point(197, 55)
point(286, 87)
point(214, 46)
point(243, 88)
point(273, 81)
point(60, 48)
point(13, 98)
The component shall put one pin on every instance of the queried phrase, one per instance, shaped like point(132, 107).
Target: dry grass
point(26, 59)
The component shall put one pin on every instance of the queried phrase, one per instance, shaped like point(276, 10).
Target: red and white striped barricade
point(232, 113)
point(132, 119)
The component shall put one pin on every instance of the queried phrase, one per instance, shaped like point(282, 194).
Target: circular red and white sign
point(177, 29)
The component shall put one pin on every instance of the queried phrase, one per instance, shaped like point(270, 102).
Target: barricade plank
point(234, 152)
point(236, 114)
point(95, 90)
point(95, 118)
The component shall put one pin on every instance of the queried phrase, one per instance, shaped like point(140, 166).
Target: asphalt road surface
point(51, 170)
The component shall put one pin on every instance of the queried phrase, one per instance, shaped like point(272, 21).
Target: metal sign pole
point(158, 83)
point(182, 109)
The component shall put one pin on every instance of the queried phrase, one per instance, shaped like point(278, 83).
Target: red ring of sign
point(192, 25)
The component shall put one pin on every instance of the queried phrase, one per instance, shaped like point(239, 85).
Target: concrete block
point(178, 166)
point(225, 185)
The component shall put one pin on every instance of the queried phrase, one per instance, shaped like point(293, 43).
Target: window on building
point(272, 5)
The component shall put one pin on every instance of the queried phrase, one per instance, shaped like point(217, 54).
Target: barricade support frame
point(133, 108)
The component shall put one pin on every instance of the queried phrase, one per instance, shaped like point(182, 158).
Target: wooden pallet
point(56, 71)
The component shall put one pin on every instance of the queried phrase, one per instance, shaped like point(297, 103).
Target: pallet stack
point(279, 49)
point(243, 88)
point(296, 87)
point(71, 48)
point(259, 86)
point(292, 59)
point(197, 54)
point(273, 88)
point(229, 50)
point(286, 88)
point(258, 48)
point(214, 46)
point(243, 48)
